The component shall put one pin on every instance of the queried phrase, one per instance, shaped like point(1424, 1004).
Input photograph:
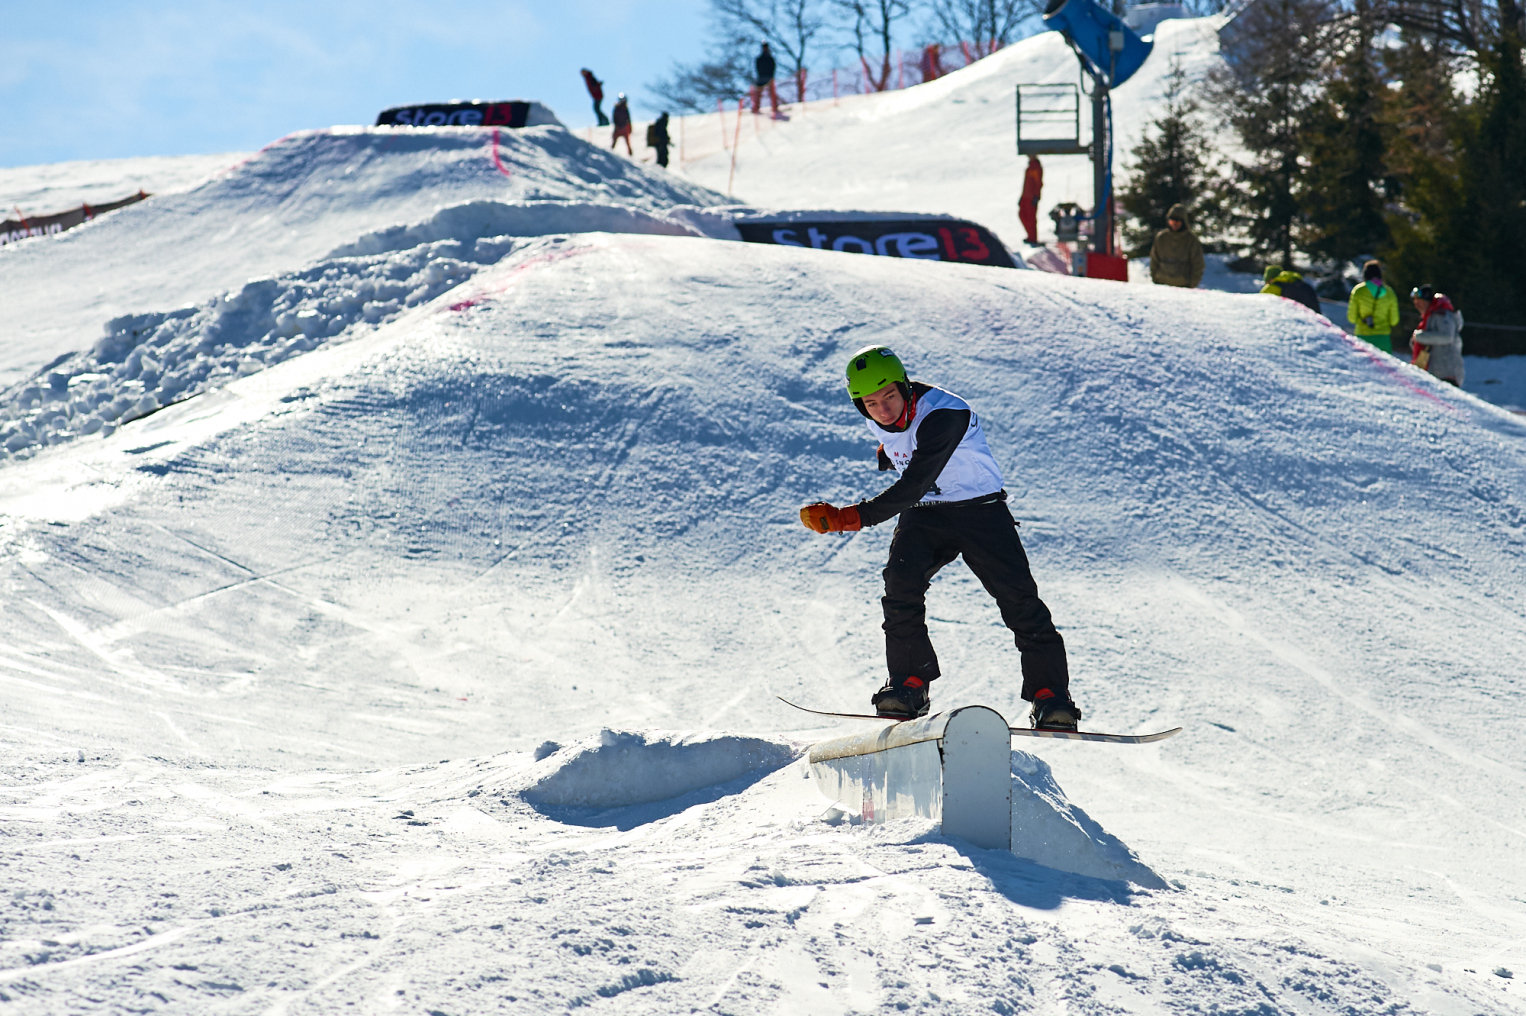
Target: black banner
point(46, 225)
point(930, 239)
point(457, 114)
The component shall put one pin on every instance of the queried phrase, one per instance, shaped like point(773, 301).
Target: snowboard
point(1067, 735)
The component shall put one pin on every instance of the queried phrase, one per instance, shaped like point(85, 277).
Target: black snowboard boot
point(902, 698)
point(1053, 711)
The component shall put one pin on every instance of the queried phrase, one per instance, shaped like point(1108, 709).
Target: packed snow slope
point(243, 632)
point(399, 570)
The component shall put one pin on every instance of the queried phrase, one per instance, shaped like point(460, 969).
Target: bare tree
point(1200, 8)
point(788, 26)
point(873, 32)
point(987, 25)
point(723, 75)
point(697, 87)
point(1471, 25)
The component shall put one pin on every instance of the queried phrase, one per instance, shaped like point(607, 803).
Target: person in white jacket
point(1437, 342)
point(948, 502)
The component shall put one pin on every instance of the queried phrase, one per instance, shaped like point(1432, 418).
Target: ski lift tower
point(1110, 53)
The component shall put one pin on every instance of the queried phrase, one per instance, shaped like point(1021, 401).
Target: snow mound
point(312, 194)
point(619, 768)
point(148, 361)
point(95, 181)
point(474, 220)
point(1048, 829)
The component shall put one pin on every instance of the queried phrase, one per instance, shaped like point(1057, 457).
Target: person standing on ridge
point(622, 125)
point(764, 66)
point(1028, 203)
point(1373, 308)
point(657, 137)
point(596, 89)
point(1437, 342)
point(1286, 282)
point(932, 62)
point(1176, 256)
point(950, 502)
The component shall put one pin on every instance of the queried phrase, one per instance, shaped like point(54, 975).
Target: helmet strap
point(909, 410)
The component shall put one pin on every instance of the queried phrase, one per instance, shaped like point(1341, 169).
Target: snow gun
point(1110, 49)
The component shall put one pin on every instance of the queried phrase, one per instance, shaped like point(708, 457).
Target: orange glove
point(824, 518)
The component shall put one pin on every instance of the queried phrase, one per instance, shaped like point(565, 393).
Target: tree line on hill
point(1394, 128)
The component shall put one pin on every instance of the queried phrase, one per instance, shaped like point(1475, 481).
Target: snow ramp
point(303, 198)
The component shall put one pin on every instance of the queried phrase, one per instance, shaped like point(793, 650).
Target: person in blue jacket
point(949, 502)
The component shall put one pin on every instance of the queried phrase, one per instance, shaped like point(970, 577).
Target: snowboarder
point(950, 501)
point(1281, 281)
point(1373, 308)
point(596, 89)
point(622, 125)
point(1028, 203)
point(1437, 342)
point(764, 66)
point(1176, 256)
point(657, 137)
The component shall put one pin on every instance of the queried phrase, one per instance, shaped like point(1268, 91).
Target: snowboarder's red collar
point(908, 412)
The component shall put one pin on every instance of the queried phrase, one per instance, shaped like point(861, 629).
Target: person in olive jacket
point(1373, 308)
point(1176, 256)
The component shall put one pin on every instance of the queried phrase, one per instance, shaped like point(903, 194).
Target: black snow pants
point(928, 538)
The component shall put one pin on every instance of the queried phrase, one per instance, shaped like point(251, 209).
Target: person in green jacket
point(1176, 256)
point(1373, 308)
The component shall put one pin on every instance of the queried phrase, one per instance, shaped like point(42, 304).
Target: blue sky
point(89, 79)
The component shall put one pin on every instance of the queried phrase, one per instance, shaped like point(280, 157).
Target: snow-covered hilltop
point(413, 647)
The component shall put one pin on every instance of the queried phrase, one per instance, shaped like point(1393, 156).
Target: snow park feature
point(956, 768)
point(935, 238)
point(477, 113)
point(432, 667)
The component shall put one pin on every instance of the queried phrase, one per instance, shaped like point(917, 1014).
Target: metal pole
point(1102, 220)
point(736, 143)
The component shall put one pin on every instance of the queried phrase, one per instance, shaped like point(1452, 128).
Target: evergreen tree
point(1273, 52)
point(1345, 187)
point(1488, 236)
point(1167, 166)
point(1427, 120)
point(1463, 222)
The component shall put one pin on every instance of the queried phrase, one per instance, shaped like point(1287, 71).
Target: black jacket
point(1297, 289)
point(764, 65)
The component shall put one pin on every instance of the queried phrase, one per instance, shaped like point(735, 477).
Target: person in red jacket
point(622, 125)
point(596, 89)
point(1028, 204)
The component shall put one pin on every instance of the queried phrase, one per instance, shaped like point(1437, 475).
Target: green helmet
point(871, 369)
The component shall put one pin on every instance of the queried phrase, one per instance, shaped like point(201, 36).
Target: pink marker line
point(542, 259)
point(1384, 362)
point(497, 160)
